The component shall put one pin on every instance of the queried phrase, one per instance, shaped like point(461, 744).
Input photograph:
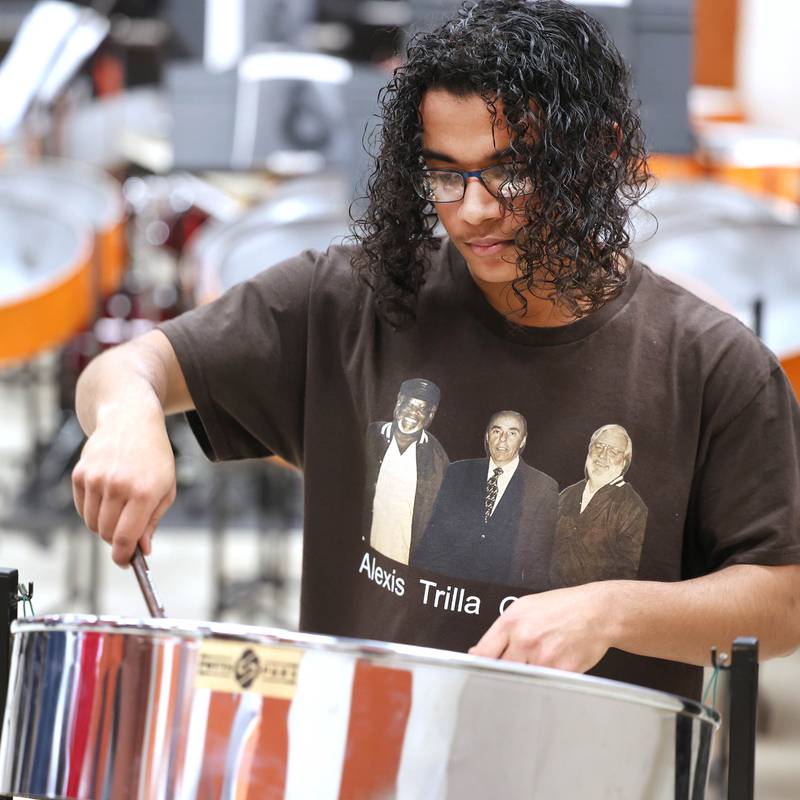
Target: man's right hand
point(125, 482)
point(125, 479)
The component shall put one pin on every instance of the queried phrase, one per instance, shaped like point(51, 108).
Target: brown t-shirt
point(678, 417)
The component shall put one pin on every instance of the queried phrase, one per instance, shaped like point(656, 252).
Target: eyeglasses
point(601, 448)
point(504, 181)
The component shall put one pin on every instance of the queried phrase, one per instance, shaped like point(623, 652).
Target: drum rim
point(91, 175)
point(774, 213)
point(193, 630)
point(223, 235)
point(211, 253)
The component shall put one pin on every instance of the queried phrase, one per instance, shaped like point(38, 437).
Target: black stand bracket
point(9, 587)
point(743, 695)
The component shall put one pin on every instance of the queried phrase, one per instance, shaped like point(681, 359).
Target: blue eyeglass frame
point(465, 176)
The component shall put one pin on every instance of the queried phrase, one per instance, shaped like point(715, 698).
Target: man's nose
point(479, 204)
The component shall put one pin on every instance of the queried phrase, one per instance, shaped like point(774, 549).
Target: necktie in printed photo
point(491, 493)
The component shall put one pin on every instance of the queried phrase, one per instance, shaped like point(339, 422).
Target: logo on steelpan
point(247, 669)
point(233, 668)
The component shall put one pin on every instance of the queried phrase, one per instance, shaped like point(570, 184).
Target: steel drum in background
point(45, 277)
point(752, 157)
point(745, 247)
point(89, 193)
point(115, 708)
point(310, 213)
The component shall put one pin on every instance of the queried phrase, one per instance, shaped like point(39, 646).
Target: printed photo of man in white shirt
point(406, 465)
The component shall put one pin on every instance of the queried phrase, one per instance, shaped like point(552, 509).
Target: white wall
point(768, 62)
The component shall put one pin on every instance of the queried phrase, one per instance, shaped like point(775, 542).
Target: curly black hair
point(566, 99)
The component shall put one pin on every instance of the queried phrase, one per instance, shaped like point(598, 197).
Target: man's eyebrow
point(435, 155)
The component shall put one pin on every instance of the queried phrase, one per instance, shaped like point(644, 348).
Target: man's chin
point(603, 479)
point(412, 432)
point(497, 268)
point(495, 282)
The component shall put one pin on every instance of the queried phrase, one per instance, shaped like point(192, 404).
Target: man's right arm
point(125, 479)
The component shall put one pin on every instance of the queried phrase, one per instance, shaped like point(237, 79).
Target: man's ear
point(523, 443)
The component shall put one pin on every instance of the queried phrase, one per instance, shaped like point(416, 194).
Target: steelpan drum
point(89, 193)
point(742, 246)
point(115, 708)
point(45, 277)
point(310, 213)
point(752, 157)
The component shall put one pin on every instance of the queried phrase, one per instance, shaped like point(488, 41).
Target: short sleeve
point(746, 494)
point(244, 360)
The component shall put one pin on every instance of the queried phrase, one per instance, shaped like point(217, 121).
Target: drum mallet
point(151, 598)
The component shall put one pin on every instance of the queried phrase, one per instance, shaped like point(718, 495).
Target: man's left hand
point(563, 629)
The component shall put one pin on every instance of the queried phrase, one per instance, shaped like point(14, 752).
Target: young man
point(513, 127)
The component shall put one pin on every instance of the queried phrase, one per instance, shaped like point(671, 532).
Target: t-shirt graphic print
point(497, 519)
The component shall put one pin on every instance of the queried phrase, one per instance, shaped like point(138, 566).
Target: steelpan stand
point(9, 586)
point(742, 697)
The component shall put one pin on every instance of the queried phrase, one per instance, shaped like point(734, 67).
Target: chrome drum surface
point(113, 708)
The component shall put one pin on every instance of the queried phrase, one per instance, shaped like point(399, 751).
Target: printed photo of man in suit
point(405, 467)
point(494, 518)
